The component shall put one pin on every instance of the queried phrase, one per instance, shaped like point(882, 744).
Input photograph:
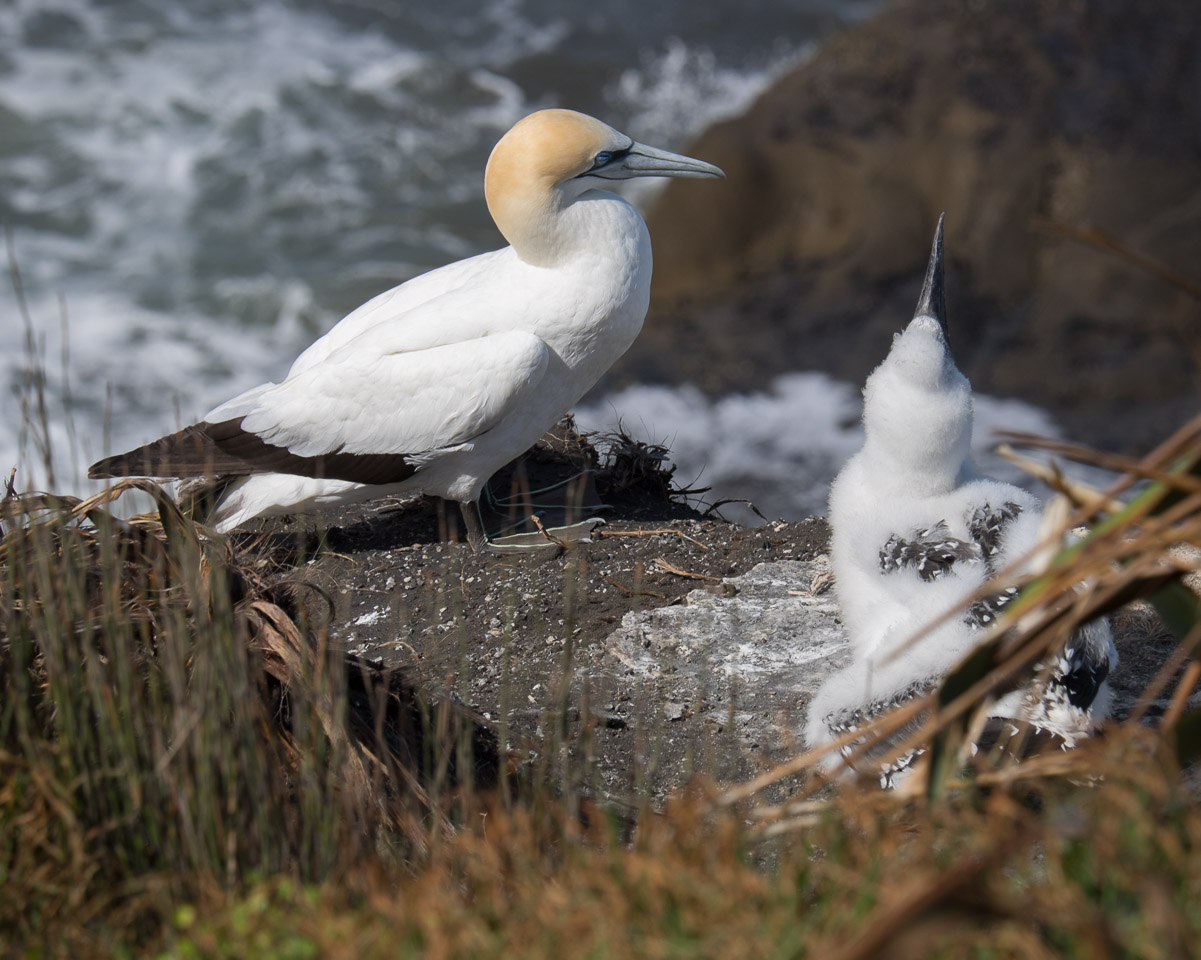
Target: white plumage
point(916, 531)
point(435, 384)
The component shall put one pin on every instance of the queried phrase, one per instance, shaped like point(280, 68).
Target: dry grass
point(166, 728)
point(188, 767)
point(1042, 869)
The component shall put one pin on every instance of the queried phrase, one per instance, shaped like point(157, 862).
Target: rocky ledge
point(1017, 119)
point(675, 642)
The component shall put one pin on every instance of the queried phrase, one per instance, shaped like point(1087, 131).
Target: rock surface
point(502, 633)
point(1004, 115)
point(686, 644)
point(756, 651)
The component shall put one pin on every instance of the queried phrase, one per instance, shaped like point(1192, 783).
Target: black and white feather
point(930, 552)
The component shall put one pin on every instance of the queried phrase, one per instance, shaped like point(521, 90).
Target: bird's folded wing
point(430, 309)
point(407, 402)
point(366, 414)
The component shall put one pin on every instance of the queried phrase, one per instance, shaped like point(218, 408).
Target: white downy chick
point(916, 531)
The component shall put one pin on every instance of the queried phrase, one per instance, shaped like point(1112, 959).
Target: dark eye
point(602, 158)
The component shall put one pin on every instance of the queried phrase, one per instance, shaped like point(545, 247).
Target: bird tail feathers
point(190, 452)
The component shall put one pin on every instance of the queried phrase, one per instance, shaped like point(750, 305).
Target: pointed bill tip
point(932, 302)
point(645, 161)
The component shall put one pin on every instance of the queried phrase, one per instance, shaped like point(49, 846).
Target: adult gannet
point(916, 531)
point(433, 385)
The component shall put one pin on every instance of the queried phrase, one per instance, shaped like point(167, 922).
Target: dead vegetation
point(188, 764)
point(166, 726)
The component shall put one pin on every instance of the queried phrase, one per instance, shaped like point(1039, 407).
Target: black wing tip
point(101, 470)
point(121, 467)
point(186, 453)
point(226, 450)
point(117, 467)
point(933, 302)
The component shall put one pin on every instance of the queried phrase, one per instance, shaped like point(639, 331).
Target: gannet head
point(920, 353)
point(551, 157)
point(917, 406)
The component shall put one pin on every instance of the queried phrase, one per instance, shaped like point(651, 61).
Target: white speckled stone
point(769, 646)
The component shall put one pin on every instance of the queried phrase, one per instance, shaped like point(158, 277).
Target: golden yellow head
point(550, 157)
point(548, 147)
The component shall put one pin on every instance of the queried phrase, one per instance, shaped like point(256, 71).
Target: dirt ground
point(500, 632)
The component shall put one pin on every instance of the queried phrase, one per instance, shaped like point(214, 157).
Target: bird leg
point(552, 538)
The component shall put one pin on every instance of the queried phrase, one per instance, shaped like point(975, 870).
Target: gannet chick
point(432, 386)
point(916, 531)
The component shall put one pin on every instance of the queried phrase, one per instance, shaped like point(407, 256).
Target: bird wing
point(363, 400)
point(369, 413)
point(931, 552)
point(987, 524)
point(1084, 664)
point(454, 302)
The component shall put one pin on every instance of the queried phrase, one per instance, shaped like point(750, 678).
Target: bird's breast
point(596, 297)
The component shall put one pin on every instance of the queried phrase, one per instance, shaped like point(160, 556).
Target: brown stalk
point(1149, 468)
point(600, 534)
point(664, 565)
point(1081, 494)
point(918, 896)
point(1184, 690)
point(1100, 239)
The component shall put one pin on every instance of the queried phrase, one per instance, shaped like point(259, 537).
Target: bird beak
point(644, 161)
point(932, 302)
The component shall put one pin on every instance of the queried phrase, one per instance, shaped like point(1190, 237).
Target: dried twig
point(635, 593)
point(916, 897)
point(1100, 239)
point(1188, 683)
point(664, 565)
point(1081, 494)
point(601, 534)
point(713, 507)
point(1145, 468)
point(537, 521)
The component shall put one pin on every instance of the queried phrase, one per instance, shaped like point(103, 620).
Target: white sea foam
point(779, 448)
point(678, 92)
point(674, 95)
point(178, 372)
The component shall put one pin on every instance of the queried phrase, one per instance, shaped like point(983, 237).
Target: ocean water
point(194, 190)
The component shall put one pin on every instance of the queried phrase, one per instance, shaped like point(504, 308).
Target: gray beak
point(644, 161)
point(932, 302)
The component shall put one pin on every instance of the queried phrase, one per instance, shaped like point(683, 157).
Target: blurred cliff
point(1012, 117)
